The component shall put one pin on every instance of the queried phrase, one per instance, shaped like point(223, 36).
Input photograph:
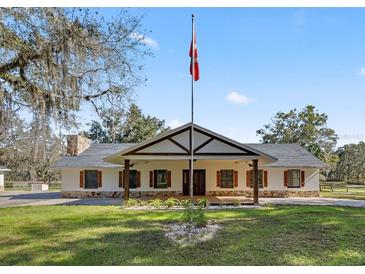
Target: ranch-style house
point(160, 167)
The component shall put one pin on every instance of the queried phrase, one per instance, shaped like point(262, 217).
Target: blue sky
point(267, 59)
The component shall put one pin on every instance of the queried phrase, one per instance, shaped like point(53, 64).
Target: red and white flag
point(194, 49)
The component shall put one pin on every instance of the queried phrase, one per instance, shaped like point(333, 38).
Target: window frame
point(232, 181)
point(260, 171)
point(135, 179)
point(155, 172)
point(299, 178)
point(96, 179)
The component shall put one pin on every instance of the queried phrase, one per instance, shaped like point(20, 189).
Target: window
point(160, 180)
point(132, 178)
point(294, 178)
point(261, 178)
point(227, 178)
point(91, 179)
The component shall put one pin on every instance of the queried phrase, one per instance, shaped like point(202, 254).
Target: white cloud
point(175, 123)
point(361, 71)
point(299, 19)
point(238, 98)
point(145, 40)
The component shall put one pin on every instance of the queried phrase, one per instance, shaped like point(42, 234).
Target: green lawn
point(107, 235)
point(341, 193)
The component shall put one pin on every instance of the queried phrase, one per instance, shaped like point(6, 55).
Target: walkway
point(11, 199)
point(313, 201)
point(26, 198)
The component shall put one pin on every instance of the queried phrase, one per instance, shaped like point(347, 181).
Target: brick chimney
point(77, 144)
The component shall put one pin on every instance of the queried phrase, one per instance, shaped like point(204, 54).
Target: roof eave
point(87, 166)
point(296, 166)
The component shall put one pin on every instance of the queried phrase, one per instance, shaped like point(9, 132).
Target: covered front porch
point(163, 166)
point(221, 181)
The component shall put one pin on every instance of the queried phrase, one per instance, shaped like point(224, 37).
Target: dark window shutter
point(218, 178)
point(235, 178)
point(302, 178)
point(121, 177)
point(265, 178)
point(81, 178)
point(285, 178)
point(100, 178)
point(138, 179)
point(151, 178)
point(248, 178)
point(168, 178)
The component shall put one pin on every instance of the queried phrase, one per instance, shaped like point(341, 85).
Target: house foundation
point(141, 194)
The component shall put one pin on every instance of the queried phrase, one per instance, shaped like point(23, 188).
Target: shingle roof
point(92, 157)
point(289, 155)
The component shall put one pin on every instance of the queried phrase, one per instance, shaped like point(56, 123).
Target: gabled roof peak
point(176, 143)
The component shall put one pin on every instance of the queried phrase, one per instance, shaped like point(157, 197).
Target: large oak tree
point(29, 150)
point(54, 59)
point(307, 128)
point(120, 126)
point(351, 164)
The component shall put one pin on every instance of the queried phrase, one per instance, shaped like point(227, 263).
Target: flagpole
point(192, 112)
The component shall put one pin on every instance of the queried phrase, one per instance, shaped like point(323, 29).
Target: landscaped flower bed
point(154, 204)
point(173, 203)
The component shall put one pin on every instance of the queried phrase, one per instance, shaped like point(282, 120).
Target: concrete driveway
point(11, 199)
point(26, 198)
point(313, 201)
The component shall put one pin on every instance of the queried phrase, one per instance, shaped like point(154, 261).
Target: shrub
point(156, 203)
point(171, 202)
point(132, 203)
point(236, 203)
point(143, 203)
point(203, 202)
point(185, 203)
point(193, 216)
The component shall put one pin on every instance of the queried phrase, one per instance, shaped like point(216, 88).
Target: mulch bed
point(187, 234)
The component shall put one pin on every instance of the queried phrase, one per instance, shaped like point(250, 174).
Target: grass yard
point(341, 193)
point(107, 235)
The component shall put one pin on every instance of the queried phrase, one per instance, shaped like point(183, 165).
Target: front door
point(199, 182)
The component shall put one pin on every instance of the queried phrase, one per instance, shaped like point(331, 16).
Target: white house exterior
point(160, 166)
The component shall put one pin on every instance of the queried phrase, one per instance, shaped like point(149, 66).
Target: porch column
point(126, 180)
point(191, 192)
point(255, 182)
